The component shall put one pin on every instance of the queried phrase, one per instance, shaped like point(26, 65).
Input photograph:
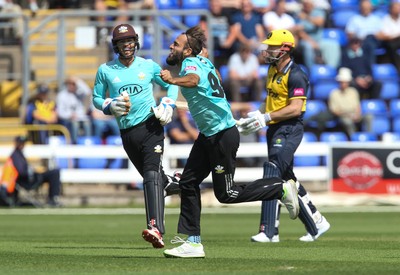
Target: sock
point(194, 239)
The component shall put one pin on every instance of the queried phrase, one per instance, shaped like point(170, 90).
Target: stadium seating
point(60, 163)
point(90, 163)
point(191, 20)
point(315, 107)
point(380, 124)
point(390, 89)
point(114, 163)
point(167, 4)
point(383, 72)
point(263, 70)
point(308, 160)
point(336, 34)
point(344, 5)
point(394, 108)
point(374, 106)
point(321, 90)
point(364, 137)
point(194, 4)
point(339, 18)
point(332, 137)
point(396, 125)
point(320, 72)
point(224, 72)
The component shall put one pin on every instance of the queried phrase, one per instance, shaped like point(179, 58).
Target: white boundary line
point(140, 211)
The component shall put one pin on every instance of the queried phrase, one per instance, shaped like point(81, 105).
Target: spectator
point(182, 130)
point(12, 35)
point(310, 24)
point(344, 105)
point(246, 28)
point(263, 6)
point(390, 34)
point(354, 58)
point(278, 18)
point(27, 178)
point(365, 26)
point(41, 110)
point(219, 28)
point(71, 107)
point(243, 67)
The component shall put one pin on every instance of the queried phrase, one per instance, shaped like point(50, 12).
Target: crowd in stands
point(330, 36)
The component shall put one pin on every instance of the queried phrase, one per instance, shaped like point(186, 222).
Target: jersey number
point(215, 85)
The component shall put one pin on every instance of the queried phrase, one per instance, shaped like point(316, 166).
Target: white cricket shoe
point(322, 226)
point(262, 238)
point(290, 198)
point(186, 250)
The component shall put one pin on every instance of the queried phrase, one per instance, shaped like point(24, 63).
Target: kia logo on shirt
point(131, 89)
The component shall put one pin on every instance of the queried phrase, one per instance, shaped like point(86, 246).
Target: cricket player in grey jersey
point(215, 148)
point(124, 88)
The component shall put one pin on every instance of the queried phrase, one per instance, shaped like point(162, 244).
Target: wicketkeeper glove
point(165, 110)
point(118, 106)
point(255, 121)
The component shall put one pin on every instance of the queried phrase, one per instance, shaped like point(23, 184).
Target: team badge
point(158, 149)
point(141, 76)
point(219, 169)
point(123, 29)
point(278, 143)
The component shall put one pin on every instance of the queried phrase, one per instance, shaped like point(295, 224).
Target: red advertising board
point(365, 170)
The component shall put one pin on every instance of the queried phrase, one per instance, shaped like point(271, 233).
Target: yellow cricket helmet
point(280, 38)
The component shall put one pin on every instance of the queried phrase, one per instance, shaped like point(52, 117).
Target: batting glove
point(165, 110)
point(255, 121)
point(118, 106)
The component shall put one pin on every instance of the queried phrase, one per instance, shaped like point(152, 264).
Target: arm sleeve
point(172, 90)
point(298, 84)
point(99, 90)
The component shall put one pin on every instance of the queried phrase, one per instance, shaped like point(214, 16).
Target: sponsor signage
point(365, 170)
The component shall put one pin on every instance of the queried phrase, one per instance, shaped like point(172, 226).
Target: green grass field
point(68, 243)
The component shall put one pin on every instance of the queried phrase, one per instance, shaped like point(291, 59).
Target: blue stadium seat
point(191, 20)
point(148, 40)
point(167, 4)
point(308, 160)
point(332, 137)
point(336, 34)
point(90, 163)
point(394, 108)
point(340, 17)
point(224, 72)
point(396, 124)
point(195, 4)
point(322, 89)
point(322, 72)
point(364, 136)
point(314, 107)
point(384, 72)
point(344, 5)
point(61, 163)
point(374, 106)
point(263, 70)
point(117, 141)
point(390, 89)
point(380, 124)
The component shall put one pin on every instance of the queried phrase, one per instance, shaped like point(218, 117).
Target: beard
point(174, 59)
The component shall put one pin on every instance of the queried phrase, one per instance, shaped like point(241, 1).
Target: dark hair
point(196, 39)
